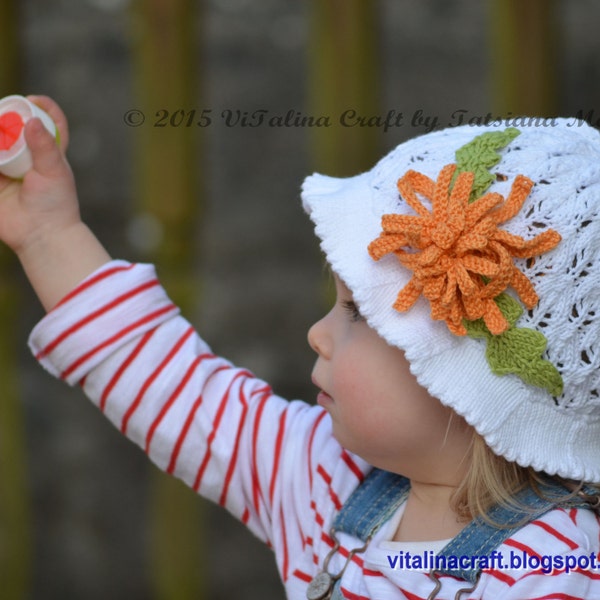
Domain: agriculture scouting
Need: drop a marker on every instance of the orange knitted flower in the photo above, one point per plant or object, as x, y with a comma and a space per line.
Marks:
459, 258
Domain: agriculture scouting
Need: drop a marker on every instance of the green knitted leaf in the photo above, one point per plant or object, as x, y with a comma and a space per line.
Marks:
517, 350
479, 156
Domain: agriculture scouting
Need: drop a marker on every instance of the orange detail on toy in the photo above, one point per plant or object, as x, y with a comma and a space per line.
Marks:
459, 258
11, 125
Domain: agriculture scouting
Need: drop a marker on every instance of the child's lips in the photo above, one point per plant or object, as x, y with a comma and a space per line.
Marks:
323, 398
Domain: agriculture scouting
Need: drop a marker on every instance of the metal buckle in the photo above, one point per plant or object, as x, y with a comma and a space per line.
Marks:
433, 575
321, 585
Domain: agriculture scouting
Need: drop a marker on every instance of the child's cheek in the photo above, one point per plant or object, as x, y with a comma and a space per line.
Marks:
353, 381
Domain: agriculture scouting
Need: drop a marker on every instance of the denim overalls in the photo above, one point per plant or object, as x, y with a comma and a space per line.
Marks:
381, 493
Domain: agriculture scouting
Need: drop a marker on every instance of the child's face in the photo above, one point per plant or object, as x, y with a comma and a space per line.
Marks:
377, 408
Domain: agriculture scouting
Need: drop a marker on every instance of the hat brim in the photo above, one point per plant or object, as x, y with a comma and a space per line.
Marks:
347, 215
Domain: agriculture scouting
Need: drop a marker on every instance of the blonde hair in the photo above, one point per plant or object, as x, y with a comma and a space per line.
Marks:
491, 480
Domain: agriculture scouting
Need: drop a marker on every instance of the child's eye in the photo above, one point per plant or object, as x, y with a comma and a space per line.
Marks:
352, 310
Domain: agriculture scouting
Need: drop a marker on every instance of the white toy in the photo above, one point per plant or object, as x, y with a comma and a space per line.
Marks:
15, 111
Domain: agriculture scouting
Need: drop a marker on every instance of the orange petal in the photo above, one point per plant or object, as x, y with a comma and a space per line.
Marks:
485, 227
456, 329
522, 248
443, 236
427, 257
455, 319
475, 307
439, 312
461, 190
425, 272
469, 242
421, 183
407, 190
385, 244
518, 192
440, 195
481, 206
494, 319
524, 288
407, 296
513, 243
433, 288
459, 200
465, 281
395, 223
450, 293
480, 265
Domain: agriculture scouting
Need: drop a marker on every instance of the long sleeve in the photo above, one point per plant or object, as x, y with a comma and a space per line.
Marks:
274, 464
198, 417
215, 426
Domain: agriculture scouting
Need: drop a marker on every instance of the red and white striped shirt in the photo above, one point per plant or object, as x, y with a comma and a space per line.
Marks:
272, 463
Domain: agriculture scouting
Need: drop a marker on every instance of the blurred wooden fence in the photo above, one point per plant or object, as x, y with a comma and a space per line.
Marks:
344, 75
524, 46
168, 193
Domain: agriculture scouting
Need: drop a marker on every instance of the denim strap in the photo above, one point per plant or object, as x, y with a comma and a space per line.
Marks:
479, 538
372, 503
380, 494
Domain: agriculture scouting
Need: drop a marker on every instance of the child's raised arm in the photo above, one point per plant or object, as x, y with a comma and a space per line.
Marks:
39, 215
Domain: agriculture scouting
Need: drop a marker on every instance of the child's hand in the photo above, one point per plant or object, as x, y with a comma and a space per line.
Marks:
45, 201
39, 216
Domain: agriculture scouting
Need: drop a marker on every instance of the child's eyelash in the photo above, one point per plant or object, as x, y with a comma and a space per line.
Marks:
352, 310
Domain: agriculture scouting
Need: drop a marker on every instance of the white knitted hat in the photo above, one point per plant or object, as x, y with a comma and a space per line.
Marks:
543, 410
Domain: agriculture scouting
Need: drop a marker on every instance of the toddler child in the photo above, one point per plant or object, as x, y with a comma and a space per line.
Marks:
457, 428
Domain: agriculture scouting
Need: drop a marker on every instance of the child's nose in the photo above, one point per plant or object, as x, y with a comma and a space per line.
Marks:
318, 339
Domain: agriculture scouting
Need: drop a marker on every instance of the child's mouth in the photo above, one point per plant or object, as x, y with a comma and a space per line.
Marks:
324, 399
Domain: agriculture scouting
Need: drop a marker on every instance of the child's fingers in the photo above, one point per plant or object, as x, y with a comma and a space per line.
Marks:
46, 156
56, 114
